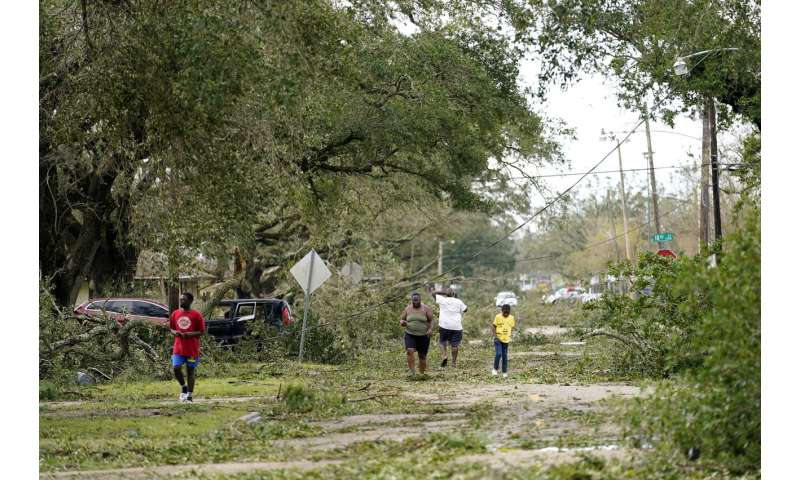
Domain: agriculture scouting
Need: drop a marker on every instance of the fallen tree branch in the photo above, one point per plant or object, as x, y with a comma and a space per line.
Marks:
420, 271
148, 349
74, 392
373, 397
83, 337
100, 373
619, 338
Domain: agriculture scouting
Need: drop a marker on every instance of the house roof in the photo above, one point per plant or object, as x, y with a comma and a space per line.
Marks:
153, 266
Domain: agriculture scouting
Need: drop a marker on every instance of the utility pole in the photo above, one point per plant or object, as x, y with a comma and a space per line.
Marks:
653, 189
613, 226
712, 125
613, 137
624, 202
439, 263
705, 162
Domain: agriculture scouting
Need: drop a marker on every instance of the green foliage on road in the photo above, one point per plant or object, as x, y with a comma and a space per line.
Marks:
701, 326
716, 405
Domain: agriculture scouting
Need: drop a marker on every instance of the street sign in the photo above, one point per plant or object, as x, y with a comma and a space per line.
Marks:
666, 253
662, 237
352, 271
310, 272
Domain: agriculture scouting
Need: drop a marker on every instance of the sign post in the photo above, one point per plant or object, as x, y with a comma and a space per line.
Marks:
310, 273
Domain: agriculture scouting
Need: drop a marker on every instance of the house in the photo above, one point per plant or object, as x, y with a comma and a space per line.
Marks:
152, 267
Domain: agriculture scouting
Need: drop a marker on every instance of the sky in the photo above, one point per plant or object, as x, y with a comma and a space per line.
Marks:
589, 107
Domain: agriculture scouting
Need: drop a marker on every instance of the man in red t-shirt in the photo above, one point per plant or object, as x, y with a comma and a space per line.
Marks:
186, 325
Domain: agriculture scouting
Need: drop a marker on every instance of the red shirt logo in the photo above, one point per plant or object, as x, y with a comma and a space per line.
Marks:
184, 323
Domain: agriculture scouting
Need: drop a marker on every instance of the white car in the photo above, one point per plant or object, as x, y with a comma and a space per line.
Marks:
505, 298
570, 295
590, 297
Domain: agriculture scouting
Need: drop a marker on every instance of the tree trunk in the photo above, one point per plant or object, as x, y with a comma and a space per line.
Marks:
78, 264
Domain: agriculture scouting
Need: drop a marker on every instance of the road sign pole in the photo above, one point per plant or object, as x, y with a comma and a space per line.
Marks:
305, 308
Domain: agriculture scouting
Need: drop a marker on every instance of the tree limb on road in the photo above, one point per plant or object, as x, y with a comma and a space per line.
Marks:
626, 341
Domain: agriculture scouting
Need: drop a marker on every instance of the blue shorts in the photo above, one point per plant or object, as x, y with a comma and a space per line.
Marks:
450, 336
191, 362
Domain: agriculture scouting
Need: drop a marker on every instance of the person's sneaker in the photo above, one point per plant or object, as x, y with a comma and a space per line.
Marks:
494, 372
444, 363
189, 397
183, 396
505, 375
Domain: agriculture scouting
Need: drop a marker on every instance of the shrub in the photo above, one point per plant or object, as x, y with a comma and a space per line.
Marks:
715, 404
323, 343
651, 326
298, 398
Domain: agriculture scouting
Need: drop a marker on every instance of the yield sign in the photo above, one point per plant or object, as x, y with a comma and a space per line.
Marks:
310, 272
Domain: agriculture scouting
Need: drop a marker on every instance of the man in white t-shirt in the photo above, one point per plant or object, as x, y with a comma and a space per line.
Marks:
450, 310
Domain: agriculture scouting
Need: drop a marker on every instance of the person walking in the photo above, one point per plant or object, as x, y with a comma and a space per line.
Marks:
451, 310
417, 318
501, 330
186, 325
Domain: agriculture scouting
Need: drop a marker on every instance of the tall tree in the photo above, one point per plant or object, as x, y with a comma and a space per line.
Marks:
638, 42
198, 126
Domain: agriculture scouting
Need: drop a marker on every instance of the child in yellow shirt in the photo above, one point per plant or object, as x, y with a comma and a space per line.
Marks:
501, 330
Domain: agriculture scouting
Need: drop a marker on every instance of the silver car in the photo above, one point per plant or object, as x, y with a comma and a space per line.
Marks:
505, 298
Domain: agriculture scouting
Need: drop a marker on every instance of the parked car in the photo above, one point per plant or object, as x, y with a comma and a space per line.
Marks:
590, 297
123, 309
505, 298
565, 294
233, 319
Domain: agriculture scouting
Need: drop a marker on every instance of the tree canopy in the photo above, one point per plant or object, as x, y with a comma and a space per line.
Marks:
198, 126
638, 42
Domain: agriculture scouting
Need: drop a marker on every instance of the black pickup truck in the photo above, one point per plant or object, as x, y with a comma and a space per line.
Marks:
233, 319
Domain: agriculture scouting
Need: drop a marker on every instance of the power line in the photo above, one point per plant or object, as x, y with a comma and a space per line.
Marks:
549, 204
588, 247
568, 174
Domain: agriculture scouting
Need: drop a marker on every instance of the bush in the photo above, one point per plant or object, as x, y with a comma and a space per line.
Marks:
299, 398
322, 343
652, 327
715, 405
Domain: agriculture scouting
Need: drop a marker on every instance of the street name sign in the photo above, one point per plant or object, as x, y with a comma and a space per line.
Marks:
662, 237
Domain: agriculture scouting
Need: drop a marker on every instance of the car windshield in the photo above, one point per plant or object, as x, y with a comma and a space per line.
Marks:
221, 311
